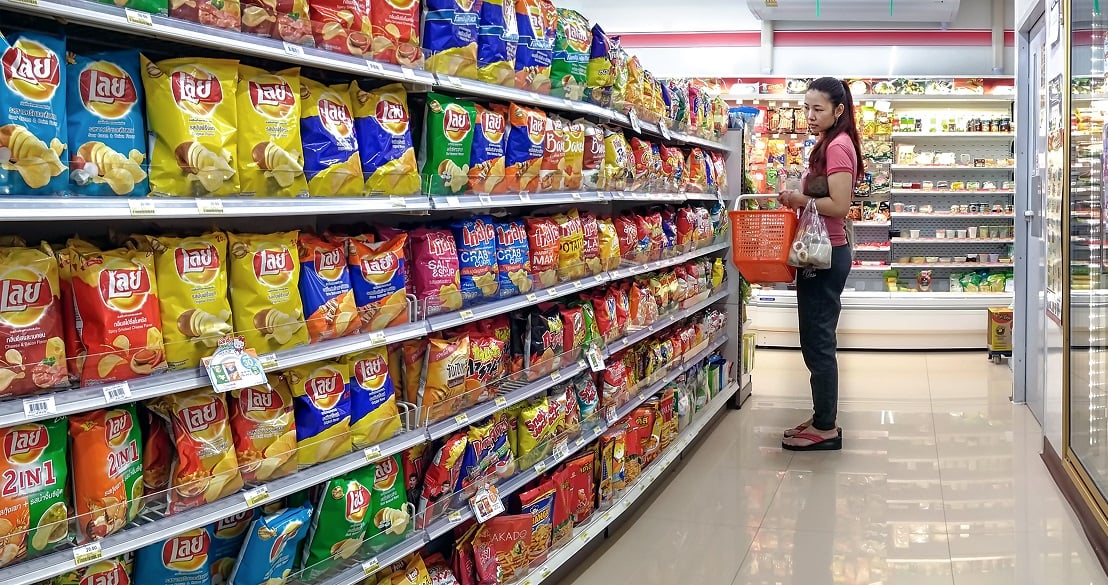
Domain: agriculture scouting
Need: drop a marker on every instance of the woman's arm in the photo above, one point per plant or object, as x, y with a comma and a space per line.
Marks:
841, 187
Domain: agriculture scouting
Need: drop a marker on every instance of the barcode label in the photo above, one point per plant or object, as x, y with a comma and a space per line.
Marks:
140, 206
485, 200
577, 284
500, 401
294, 50
561, 449
373, 453
117, 392
453, 201
138, 17
576, 196
39, 406
580, 442
455, 516
83, 555
370, 566
399, 201
408, 73
377, 337
268, 361
462, 418
375, 67
211, 206
453, 82
466, 314
256, 496
532, 297
555, 376
540, 466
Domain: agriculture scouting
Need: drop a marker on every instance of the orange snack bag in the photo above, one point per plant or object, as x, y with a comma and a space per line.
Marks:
264, 430
32, 350
107, 470
325, 289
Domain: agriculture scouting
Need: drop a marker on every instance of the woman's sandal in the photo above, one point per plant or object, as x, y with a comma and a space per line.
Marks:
798, 429
818, 443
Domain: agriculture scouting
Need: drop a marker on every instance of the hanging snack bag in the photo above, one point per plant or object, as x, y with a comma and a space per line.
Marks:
192, 113
546, 342
436, 270
573, 163
377, 271
331, 158
573, 334
601, 72
36, 517
544, 237
619, 163
590, 251
264, 429
373, 413
322, 402
441, 477
271, 163
476, 241
33, 115
396, 32
450, 30
572, 47
487, 367
117, 300
265, 304
271, 547
539, 503
497, 37
228, 535
552, 167
287, 21
583, 491
513, 258
184, 559
443, 384
390, 514
32, 348
107, 125
107, 471
447, 144
501, 546
562, 513
325, 289
342, 26
592, 159
383, 127
571, 244
338, 527
526, 147
486, 161
536, 21
192, 284
488, 457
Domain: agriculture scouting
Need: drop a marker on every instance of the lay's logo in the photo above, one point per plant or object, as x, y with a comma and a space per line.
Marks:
536, 128
382, 264
233, 526
32, 70
20, 295
200, 418
492, 125
116, 574
357, 502
117, 426
188, 89
336, 118
196, 260
272, 262
25, 440
260, 400
274, 99
325, 390
392, 116
109, 93
186, 551
329, 260
456, 122
367, 371
385, 474
124, 284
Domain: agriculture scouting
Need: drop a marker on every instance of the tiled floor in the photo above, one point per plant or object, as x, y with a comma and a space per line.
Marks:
940, 482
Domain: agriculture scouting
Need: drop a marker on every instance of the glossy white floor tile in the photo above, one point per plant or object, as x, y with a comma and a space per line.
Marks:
939, 482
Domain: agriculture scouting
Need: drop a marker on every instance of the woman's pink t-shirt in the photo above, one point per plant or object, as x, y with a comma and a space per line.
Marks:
841, 158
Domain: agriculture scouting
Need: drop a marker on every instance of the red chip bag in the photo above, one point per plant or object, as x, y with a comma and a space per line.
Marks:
500, 548
623, 308
342, 26
573, 334
562, 516
436, 272
645, 251
686, 229
487, 367
582, 487
544, 237
628, 234
442, 475
653, 224
590, 254
644, 157
604, 305
396, 31
32, 347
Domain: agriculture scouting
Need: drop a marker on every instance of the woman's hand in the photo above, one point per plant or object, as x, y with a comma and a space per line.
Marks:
792, 199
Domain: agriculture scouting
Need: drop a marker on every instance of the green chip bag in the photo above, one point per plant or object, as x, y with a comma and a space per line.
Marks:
391, 514
447, 144
338, 525
33, 499
572, 47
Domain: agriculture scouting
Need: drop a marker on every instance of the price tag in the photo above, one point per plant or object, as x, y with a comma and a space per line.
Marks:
209, 206
569, 103
611, 415
268, 361
535, 96
555, 376
633, 117
580, 442
462, 418
453, 82
466, 314
117, 392
552, 292
294, 50
398, 201
141, 207
374, 67
607, 517
233, 366
485, 200
453, 201
540, 467
595, 358
408, 73
370, 566
83, 555
455, 516
373, 453
256, 496
597, 431
584, 536
577, 284
138, 17
524, 196
500, 402
663, 128
39, 406
544, 573
377, 337
532, 297
561, 449
576, 196
27, 2
486, 503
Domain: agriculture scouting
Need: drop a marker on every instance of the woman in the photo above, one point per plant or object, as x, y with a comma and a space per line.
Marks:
833, 168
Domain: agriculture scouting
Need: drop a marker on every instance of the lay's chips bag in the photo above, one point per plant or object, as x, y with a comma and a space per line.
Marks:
32, 318
526, 140
601, 72
35, 513
383, 127
450, 36
326, 290
536, 21
574, 160
390, 512
192, 285
341, 26
271, 163
228, 535
322, 402
331, 158
377, 271
192, 112
497, 38
513, 258
265, 271
271, 546
33, 115
184, 559
338, 525
447, 144
486, 170
373, 413
107, 125
476, 239
619, 162
396, 31
264, 429
572, 48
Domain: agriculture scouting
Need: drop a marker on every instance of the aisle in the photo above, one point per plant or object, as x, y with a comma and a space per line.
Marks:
940, 483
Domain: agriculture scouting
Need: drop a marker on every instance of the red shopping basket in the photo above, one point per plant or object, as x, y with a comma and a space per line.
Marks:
760, 242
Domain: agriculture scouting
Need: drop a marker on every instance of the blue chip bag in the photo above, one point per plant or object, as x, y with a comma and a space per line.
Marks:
536, 23
271, 546
184, 559
227, 537
488, 455
497, 38
486, 160
513, 258
383, 126
331, 160
476, 238
450, 36
32, 115
107, 125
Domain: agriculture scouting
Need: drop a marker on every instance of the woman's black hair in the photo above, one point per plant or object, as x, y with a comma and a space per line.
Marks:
838, 92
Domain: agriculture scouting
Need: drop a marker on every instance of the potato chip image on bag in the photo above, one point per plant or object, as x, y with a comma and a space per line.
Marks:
228, 536
206, 468
32, 347
383, 126
265, 299
569, 70
114, 570
552, 168
32, 147
436, 273
443, 384
396, 31
513, 258
447, 144
331, 160
34, 515
270, 162
390, 513
192, 284
476, 242
107, 125
574, 159
486, 162
225, 14
526, 147
619, 163
264, 430
571, 244
271, 547
373, 413
341, 26
107, 471
338, 526
536, 21
286, 21
184, 559
497, 37
377, 272
326, 289
450, 36
192, 113
544, 237
322, 402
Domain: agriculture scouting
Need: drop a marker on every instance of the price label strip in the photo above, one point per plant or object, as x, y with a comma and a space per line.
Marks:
91, 552
372, 454
117, 392
294, 50
256, 496
138, 17
39, 406
370, 566
561, 449
209, 206
141, 207
268, 361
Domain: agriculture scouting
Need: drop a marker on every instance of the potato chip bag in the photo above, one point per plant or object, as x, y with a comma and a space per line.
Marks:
526, 147
338, 525
68, 260
271, 163
113, 570
551, 169
719, 166
220, 14
476, 241
107, 470
414, 353
546, 347
497, 38
32, 347
613, 449
573, 163
488, 456
157, 454
192, 113
539, 503
513, 258
536, 21
264, 429
487, 367
373, 413
450, 29
383, 127
322, 401
573, 334
544, 237
415, 572
435, 270
447, 144
206, 467
630, 247
592, 159
377, 272
287, 21
33, 115
571, 241
601, 72
604, 307
184, 559
500, 548
325, 289
271, 546
390, 513
331, 158
673, 167
117, 300
441, 478
192, 284
696, 179
396, 31
443, 384
535, 431
572, 47
228, 535
107, 125
486, 161
342, 26
643, 156
619, 163
265, 271
34, 511
590, 250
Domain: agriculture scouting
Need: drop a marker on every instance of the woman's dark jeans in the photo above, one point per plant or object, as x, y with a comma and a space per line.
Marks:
818, 302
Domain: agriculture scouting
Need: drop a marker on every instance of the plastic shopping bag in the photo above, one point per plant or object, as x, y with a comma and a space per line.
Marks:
812, 245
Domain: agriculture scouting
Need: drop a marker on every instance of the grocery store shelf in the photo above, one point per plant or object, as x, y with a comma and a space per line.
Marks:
950, 168
948, 191
702, 197
635, 270
858, 99
452, 202
867, 248
907, 215
953, 240
871, 224
869, 268
997, 135
91, 208
663, 322
952, 265
478, 312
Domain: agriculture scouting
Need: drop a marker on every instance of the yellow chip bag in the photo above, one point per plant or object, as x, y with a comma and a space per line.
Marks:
271, 163
322, 403
192, 113
373, 413
385, 140
444, 376
572, 242
264, 428
265, 300
331, 159
192, 286
609, 244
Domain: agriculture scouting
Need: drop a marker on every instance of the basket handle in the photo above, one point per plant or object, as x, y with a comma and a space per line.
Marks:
740, 198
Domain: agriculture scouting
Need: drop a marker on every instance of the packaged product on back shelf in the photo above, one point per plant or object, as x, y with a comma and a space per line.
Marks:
537, 23
513, 258
573, 162
374, 416
228, 536
287, 21
592, 160
619, 162
486, 161
378, 273
447, 144
111, 570
552, 167
265, 298
526, 145
450, 33
331, 159
264, 429
572, 49
497, 39
271, 546
220, 14
326, 290
476, 242
342, 26
396, 32
340, 518
184, 559
436, 271
38, 518
107, 471
269, 111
